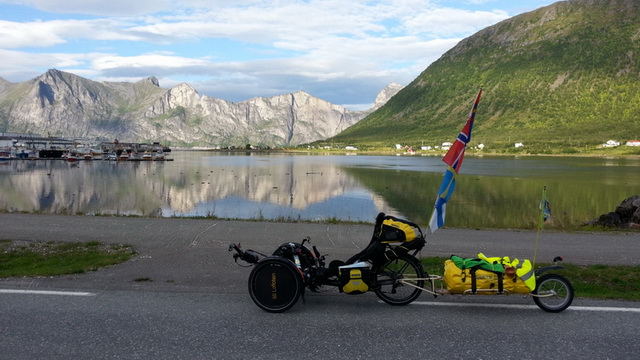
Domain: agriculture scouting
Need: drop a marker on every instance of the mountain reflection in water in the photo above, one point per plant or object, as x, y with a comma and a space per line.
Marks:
499, 192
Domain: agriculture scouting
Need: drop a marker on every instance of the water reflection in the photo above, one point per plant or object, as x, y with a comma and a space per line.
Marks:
195, 184
491, 191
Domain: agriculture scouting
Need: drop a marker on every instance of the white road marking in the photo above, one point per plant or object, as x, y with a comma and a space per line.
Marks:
46, 292
528, 307
604, 308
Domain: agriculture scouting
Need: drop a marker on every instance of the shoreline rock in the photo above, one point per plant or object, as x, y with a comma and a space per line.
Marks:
625, 216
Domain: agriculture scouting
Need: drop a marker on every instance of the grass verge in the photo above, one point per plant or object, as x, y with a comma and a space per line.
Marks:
35, 258
592, 281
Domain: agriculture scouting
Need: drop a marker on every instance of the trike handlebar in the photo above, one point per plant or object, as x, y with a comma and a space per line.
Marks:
249, 256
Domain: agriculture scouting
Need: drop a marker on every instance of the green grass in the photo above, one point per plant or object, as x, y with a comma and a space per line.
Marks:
592, 281
27, 258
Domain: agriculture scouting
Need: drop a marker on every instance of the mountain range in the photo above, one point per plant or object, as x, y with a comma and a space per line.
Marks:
59, 103
557, 79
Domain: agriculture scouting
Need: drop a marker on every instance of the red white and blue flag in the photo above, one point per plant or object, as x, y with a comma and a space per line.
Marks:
453, 159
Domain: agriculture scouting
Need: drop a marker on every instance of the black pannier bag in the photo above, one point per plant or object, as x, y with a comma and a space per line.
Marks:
392, 237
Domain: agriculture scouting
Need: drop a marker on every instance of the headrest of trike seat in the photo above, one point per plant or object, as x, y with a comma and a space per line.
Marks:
390, 229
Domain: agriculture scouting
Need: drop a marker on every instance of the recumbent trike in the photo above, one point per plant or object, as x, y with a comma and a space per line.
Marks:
387, 266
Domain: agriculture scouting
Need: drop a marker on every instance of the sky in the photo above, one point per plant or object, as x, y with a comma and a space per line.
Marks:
342, 51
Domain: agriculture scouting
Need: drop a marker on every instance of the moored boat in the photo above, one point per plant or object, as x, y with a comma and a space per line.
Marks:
159, 155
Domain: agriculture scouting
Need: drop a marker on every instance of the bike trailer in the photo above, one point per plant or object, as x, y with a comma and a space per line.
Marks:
478, 276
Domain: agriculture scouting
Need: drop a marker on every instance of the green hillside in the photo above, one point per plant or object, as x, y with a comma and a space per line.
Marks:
561, 78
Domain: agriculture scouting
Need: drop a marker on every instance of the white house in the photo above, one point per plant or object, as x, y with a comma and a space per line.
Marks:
519, 145
633, 143
446, 145
611, 143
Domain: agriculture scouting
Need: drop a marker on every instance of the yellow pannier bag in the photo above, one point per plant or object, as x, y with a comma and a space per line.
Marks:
457, 281
354, 278
516, 285
525, 273
524, 280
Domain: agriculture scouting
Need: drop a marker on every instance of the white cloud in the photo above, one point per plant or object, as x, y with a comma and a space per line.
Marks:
479, 2
97, 7
56, 32
446, 22
17, 35
161, 65
20, 66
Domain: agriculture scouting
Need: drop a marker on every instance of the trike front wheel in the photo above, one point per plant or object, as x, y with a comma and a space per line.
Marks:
275, 284
398, 281
553, 293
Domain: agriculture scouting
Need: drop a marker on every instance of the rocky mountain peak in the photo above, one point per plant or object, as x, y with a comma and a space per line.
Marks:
184, 87
53, 73
151, 80
385, 94
55, 76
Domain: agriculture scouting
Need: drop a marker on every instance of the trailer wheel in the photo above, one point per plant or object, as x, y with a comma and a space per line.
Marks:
553, 293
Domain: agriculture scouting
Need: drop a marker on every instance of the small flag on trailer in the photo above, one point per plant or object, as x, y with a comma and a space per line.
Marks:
545, 208
453, 159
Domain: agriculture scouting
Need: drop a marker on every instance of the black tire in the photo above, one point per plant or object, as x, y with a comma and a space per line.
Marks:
275, 284
553, 293
388, 285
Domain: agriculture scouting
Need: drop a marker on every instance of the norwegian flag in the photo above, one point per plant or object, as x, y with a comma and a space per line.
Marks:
455, 154
453, 159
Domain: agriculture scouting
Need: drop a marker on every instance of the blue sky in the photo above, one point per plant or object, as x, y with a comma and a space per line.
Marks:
342, 51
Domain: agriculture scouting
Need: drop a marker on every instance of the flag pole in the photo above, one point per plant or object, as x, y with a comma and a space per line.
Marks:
543, 206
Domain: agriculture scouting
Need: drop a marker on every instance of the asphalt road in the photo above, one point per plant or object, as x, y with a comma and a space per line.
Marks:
166, 325
194, 302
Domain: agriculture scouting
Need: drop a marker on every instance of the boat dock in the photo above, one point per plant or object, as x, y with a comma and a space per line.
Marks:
36, 147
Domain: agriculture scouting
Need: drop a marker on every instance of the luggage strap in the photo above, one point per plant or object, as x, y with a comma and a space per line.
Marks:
474, 286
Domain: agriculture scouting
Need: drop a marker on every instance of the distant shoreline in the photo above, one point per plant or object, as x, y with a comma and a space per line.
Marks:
398, 153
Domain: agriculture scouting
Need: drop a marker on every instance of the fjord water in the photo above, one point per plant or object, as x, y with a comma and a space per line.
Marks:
491, 192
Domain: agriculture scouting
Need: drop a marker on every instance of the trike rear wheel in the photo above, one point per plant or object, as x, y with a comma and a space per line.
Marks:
398, 281
553, 293
275, 284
